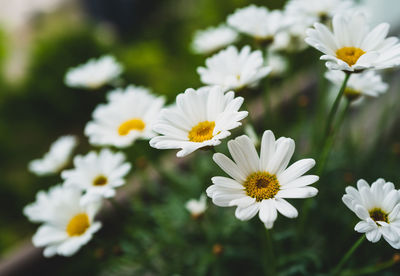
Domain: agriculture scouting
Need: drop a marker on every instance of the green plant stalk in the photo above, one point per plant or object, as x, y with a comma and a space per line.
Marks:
335, 106
270, 266
370, 269
347, 256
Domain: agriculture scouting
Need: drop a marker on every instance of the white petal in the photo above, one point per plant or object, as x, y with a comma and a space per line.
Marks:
285, 208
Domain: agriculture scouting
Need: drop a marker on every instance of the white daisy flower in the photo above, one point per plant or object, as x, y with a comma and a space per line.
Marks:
68, 225
352, 47
56, 158
291, 39
378, 207
128, 116
94, 74
97, 174
367, 83
213, 38
312, 11
233, 69
257, 22
200, 118
261, 184
277, 63
197, 207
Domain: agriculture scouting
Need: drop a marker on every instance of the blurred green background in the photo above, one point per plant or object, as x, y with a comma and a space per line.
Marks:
152, 40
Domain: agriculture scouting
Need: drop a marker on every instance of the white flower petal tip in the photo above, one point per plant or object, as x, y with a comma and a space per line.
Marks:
67, 224
352, 46
94, 74
129, 115
245, 69
213, 39
201, 118
197, 207
56, 159
378, 208
98, 175
260, 182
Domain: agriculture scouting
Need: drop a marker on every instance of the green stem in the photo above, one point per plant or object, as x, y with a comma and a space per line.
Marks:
269, 260
328, 142
335, 106
347, 256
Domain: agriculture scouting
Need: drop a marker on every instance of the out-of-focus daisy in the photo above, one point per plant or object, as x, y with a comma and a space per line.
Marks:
200, 118
57, 157
261, 184
41, 210
97, 174
291, 39
312, 11
352, 46
367, 83
94, 74
68, 225
212, 39
257, 22
378, 207
129, 115
233, 69
277, 63
197, 207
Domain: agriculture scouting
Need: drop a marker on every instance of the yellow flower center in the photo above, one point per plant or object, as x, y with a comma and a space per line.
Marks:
261, 185
100, 180
132, 124
350, 55
78, 225
352, 94
203, 131
378, 215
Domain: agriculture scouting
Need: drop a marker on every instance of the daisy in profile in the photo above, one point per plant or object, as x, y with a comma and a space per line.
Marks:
367, 83
97, 174
352, 46
312, 11
378, 208
128, 116
197, 207
68, 225
260, 184
257, 22
56, 158
212, 39
233, 69
201, 118
94, 74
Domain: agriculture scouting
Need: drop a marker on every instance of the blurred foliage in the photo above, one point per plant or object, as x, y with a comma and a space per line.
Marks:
153, 234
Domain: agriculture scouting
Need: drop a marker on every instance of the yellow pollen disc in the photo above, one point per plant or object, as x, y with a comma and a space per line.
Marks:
78, 225
100, 180
350, 55
202, 132
352, 94
378, 215
132, 124
261, 185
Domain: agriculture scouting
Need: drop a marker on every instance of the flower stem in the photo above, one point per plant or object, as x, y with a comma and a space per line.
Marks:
270, 266
335, 106
347, 256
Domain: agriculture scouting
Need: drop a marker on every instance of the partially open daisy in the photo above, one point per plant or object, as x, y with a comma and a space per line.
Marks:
261, 184
201, 118
378, 207
68, 225
367, 83
352, 46
128, 116
94, 74
317, 10
213, 38
197, 207
56, 159
233, 69
97, 174
257, 22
